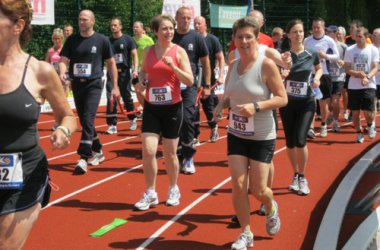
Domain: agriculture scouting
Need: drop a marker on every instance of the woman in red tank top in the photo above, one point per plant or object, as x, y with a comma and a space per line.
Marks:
164, 66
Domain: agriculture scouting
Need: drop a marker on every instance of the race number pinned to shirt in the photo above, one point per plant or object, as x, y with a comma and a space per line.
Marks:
11, 174
82, 70
296, 89
242, 125
361, 67
118, 58
160, 96
334, 71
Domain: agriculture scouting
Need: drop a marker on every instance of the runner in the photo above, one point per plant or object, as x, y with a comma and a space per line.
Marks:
328, 53
251, 132
25, 84
338, 76
216, 57
164, 66
86, 52
196, 49
142, 40
67, 31
277, 36
125, 51
361, 62
298, 114
376, 43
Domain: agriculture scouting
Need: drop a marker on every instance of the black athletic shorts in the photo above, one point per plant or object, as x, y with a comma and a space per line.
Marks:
165, 120
361, 99
326, 86
262, 151
337, 88
36, 187
378, 92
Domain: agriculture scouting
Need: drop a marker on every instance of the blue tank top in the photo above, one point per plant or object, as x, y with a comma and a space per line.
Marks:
19, 112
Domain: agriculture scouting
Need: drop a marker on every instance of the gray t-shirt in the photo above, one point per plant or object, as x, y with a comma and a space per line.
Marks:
337, 73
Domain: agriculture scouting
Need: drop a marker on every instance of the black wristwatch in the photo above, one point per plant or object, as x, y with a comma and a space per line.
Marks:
207, 86
257, 107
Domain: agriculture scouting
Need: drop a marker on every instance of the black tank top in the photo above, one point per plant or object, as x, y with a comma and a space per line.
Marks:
19, 112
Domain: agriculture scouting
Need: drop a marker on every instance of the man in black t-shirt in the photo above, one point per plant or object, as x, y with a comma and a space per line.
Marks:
86, 53
215, 55
124, 48
196, 49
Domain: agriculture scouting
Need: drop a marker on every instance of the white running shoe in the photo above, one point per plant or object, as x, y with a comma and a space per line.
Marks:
133, 125
346, 116
311, 133
372, 132
273, 222
188, 166
147, 201
196, 142
335, 127
303, 186
324, 131
294, 186
112, 129
244, 241
214, 134
96, 159
359, 138
81, 167
173, 196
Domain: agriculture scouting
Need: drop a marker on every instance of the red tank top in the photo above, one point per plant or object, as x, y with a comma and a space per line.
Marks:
163, 87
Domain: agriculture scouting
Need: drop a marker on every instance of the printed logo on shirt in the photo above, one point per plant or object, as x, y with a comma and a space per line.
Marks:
121, 46
6, 161
93, 50
190, 47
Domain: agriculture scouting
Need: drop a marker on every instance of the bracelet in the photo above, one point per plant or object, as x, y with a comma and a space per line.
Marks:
65, 130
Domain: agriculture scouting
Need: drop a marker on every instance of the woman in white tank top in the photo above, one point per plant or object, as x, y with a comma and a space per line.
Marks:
251, 81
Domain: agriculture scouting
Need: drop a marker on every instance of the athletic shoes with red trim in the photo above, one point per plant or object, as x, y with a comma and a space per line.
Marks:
244, 241
147, 201
273, 222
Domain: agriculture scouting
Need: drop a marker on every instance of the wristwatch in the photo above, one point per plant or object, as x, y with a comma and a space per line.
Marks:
257, 107
207, 86
65, 130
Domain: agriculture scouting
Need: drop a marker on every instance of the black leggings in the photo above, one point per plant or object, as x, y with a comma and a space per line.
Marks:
296, 118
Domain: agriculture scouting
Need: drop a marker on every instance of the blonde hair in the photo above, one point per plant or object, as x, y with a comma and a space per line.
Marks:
58, 32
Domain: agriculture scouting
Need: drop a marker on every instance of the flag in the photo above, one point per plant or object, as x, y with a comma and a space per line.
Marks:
250, 7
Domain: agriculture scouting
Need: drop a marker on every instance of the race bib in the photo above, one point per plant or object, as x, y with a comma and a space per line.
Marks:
118, 58
334, 72
361, 67
241, 124
82, 70
160, 96
11, 175
296, 89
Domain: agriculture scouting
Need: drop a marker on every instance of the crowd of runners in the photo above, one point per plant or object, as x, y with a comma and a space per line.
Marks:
305, 78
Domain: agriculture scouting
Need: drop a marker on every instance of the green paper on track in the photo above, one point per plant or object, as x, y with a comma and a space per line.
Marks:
106, 228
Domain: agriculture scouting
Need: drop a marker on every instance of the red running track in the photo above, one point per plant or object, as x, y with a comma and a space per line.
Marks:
82, 204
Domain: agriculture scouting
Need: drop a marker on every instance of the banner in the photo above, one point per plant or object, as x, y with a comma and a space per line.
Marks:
170, 7
43, 12
224, 16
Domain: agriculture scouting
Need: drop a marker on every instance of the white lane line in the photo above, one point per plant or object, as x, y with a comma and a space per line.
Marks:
185, 210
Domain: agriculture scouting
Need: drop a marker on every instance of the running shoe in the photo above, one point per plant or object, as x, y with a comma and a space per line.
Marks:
81, 167
345, 116
262, 210
359, 138
214, 134
324, 131
303, 186
372, 131
295, 185
173, 196
311, 133
112, 130
147, 201
97, 158
273, 222
196, 142
330, 119
188, 166
335, 127
133, 125
244, 241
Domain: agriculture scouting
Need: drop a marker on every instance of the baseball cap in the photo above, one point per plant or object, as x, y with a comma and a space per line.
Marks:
332, 28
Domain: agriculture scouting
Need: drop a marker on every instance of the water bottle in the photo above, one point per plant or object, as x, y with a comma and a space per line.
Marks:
317, 93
